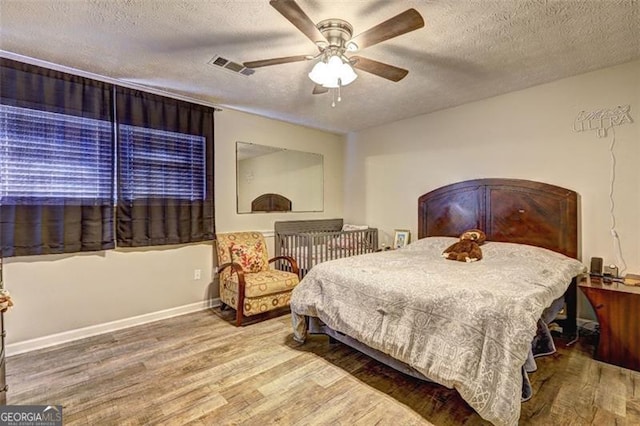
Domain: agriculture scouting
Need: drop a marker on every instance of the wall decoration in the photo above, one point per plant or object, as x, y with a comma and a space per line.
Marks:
602, 119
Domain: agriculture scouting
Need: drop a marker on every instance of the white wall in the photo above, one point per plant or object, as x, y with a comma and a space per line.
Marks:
526, 134
59, 293
62, 293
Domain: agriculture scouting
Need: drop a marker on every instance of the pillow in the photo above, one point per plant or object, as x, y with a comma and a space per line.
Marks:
251, 258
349, 227
431, 244
518, 258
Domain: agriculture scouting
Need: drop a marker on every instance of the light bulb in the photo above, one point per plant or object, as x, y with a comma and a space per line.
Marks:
334, 65
319, 73
347, 74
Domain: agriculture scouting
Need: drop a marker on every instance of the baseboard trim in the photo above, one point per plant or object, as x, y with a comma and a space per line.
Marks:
93, 330
81, 333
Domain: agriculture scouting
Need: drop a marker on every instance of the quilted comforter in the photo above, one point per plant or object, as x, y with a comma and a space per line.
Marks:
467, 326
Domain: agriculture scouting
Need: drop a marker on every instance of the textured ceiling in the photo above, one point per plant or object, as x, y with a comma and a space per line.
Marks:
468, 50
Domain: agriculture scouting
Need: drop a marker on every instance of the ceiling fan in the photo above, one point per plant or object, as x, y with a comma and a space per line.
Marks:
333, 38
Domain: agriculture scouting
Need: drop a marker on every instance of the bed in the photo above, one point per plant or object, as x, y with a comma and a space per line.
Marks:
311, 242
476, 327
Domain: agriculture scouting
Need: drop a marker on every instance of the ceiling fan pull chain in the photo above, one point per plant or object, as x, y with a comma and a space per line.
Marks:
339, 95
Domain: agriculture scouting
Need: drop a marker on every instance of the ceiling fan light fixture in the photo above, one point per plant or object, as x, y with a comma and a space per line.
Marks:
333, 73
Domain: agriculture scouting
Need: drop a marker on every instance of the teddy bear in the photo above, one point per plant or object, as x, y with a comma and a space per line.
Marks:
468, 248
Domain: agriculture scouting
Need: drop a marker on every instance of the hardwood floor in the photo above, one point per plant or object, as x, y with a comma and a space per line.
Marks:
198, 369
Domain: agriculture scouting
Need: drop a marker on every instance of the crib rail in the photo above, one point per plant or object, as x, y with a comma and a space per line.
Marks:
311, 248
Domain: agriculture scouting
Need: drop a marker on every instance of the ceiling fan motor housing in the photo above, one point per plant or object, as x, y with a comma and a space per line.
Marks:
337, 32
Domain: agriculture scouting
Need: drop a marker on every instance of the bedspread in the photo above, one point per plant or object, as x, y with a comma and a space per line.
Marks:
467, 326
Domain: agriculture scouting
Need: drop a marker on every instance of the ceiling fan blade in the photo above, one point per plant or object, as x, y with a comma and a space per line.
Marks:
276, 61
318, 89
378, 68
290, 10
405, 22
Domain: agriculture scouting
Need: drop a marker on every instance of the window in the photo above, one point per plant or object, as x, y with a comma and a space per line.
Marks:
161, 164
45, 157
58, 167
165, 163
56, 162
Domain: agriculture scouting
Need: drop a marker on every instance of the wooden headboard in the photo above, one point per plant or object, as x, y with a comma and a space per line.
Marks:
507, 210
271, 203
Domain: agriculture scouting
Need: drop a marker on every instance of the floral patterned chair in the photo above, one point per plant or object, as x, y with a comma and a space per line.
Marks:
247, 283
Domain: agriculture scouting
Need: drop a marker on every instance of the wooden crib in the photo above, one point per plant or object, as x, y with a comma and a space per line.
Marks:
314, 241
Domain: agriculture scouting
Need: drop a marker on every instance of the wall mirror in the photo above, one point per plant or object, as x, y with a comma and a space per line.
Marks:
272, 179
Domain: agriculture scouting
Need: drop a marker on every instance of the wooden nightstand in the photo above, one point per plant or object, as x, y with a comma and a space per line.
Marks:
616, 306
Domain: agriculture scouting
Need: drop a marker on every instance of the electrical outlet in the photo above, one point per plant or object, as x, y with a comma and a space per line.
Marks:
197, 274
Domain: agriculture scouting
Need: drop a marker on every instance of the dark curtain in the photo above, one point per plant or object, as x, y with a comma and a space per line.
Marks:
59, 224
152, 219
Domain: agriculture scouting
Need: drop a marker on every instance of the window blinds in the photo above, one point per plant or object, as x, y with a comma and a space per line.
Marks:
161, 164
45, 157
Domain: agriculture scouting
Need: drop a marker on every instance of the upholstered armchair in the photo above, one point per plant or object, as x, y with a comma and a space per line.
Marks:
247, 282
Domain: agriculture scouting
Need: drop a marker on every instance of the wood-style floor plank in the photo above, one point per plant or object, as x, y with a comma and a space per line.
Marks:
198, 369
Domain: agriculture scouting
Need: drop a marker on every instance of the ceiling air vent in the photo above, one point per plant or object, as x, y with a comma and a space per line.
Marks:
234, 67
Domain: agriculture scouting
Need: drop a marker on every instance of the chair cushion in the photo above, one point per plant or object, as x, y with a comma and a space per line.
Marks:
257, 305
264, 283
250, 255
